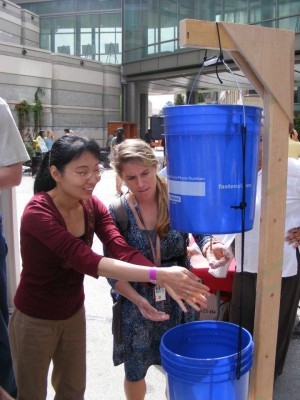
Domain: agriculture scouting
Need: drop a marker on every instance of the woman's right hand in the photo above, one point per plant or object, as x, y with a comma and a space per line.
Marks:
181, 284
150, 312
147, 311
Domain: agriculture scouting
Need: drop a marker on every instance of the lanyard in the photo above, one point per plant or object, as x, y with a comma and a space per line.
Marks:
155, 251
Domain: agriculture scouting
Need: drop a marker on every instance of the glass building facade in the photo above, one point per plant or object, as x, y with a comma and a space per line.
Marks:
151, 27
93, 28
87, 28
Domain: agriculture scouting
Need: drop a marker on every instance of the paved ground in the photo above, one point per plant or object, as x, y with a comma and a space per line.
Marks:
104, 381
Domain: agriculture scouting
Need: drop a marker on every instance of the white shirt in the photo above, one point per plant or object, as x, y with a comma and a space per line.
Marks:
163, 172
292, 220
12, 148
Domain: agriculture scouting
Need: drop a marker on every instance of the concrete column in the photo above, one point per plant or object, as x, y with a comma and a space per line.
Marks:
144, 114
132, 104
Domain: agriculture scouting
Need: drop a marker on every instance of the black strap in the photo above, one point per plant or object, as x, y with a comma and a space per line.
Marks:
122, 221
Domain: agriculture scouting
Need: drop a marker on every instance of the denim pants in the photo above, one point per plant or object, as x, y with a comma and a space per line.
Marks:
7, 379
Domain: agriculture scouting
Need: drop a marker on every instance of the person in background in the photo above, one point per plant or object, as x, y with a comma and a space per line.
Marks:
109, 140
293, 133
119, 138
49, 139
57, 230
290, 283
68, 131
38, 141
294, 144
164, 172
149, 231
149, 138
12, 155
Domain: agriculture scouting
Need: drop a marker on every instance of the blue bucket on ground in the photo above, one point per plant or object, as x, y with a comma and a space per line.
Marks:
200, 359
205, 166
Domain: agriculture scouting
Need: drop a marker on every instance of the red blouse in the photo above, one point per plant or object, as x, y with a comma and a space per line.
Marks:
54, 261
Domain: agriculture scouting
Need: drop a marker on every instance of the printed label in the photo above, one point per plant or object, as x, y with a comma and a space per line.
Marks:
176, 199
187, 188
233, 186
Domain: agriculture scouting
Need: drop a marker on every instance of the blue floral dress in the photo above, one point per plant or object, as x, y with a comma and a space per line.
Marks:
140, 337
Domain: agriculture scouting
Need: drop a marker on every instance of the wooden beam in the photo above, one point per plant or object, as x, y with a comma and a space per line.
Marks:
203, 34
266, 56
274, 172
269, 52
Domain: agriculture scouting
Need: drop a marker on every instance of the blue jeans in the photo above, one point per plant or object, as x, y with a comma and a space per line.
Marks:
7, 379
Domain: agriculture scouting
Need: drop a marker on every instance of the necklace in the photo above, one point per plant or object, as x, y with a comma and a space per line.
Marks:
155, 243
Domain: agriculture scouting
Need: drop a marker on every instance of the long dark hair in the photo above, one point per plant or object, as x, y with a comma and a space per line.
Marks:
64, 150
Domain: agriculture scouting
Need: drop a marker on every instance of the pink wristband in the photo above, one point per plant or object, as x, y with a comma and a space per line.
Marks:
152, 275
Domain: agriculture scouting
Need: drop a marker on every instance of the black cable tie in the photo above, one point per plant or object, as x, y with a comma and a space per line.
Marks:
221, 56
241, 206
220, 80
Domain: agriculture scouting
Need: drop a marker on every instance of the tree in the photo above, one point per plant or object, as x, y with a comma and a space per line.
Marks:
201, 98
297, 123
179, 100
37, 109
23, 112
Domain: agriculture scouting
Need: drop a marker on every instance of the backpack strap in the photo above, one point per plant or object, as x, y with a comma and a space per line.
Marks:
122, 221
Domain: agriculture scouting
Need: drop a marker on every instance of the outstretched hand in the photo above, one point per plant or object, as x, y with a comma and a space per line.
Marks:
150, 312
293, 237
217, 255
182, 284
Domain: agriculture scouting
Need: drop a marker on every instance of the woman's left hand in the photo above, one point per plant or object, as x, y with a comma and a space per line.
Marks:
217, 255
181, 284
293, 237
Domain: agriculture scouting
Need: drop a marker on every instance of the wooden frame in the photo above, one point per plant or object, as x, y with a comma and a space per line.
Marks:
266, 56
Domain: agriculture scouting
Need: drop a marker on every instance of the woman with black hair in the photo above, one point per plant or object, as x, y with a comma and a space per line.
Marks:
57, 229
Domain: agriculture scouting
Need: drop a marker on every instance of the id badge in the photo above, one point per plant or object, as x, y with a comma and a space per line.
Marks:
159, 293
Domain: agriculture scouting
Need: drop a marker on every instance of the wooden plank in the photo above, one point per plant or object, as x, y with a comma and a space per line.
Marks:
270, 54
274, 171
245, 67
268, 51
203, 34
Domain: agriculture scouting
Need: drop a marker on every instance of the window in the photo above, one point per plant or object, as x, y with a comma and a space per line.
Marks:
65, 34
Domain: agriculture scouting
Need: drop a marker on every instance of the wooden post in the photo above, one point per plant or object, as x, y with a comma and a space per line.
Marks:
266, 56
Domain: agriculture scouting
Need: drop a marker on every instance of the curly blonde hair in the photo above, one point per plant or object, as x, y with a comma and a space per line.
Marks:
140, 151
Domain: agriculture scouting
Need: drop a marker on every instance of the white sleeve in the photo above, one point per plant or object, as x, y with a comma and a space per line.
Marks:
12, 148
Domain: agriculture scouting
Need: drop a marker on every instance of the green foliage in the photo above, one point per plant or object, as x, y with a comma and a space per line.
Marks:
39, 91
23, 112
37, 109
297, 123
30, 150
179, 100
201, 98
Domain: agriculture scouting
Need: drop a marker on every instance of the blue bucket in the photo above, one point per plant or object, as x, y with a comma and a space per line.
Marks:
200, 359
205, 166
